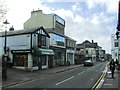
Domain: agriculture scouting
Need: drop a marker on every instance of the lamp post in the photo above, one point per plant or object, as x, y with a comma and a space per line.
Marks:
6, 22
5, 56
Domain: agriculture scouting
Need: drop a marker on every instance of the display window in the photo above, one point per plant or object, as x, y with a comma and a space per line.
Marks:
20, 59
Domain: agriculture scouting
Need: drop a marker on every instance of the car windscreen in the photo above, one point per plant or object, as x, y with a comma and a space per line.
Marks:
88, 61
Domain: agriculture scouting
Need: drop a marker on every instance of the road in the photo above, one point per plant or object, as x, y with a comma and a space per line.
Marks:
81, 77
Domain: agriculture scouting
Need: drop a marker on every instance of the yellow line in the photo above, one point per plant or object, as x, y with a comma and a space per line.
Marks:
96, 84
94, 87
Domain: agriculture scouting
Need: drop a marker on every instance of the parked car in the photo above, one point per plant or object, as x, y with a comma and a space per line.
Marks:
88, 62
103, 60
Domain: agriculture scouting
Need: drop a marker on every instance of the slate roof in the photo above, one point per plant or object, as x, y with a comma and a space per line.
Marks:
23, 31
87, 44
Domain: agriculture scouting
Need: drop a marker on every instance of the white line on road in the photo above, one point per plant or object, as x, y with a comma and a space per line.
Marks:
88, 68
65, 80
80, 72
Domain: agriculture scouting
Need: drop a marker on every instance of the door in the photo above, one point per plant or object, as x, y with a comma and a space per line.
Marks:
39, 63
50, 61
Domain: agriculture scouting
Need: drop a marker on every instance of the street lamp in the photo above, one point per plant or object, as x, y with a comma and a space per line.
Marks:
6, 22
5, 56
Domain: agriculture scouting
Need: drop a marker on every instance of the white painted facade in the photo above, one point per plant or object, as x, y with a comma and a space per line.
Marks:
70, 55
91, 53
114, 49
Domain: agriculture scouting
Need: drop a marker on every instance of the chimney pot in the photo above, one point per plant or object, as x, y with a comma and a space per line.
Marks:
92, 41
11, 28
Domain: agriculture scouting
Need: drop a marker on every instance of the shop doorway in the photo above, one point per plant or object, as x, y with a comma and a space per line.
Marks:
50, 61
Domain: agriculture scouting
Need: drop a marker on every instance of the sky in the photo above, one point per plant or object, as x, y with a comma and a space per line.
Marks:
84, 19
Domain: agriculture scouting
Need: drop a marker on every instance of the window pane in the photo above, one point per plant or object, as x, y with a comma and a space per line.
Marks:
116, 44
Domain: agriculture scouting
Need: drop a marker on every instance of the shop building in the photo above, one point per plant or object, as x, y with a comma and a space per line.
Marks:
28, 49
86, 50
70, 50
54, 25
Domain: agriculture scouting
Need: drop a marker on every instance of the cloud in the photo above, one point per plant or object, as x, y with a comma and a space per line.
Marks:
19, 11
78, 19
76, 7
111, 5
90, 4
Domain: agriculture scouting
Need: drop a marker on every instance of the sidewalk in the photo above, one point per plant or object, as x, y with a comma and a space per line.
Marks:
16, 76
112, 83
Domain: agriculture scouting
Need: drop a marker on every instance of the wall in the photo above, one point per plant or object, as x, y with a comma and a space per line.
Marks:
38, 19
114, 50
17, 42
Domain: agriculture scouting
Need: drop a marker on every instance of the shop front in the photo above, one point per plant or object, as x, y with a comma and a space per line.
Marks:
35, 59
21, 59
59, 56
42, 58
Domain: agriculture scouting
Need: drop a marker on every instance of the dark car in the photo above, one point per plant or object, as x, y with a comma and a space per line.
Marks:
88, 62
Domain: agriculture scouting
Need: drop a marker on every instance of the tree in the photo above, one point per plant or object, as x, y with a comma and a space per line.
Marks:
3, 11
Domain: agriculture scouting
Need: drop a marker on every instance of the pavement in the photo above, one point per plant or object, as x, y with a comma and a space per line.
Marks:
111, 83
16, 76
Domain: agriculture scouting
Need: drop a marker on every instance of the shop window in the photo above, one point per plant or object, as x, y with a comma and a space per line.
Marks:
43, 58
20, 60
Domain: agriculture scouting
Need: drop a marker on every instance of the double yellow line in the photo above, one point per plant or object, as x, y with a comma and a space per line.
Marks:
95, 87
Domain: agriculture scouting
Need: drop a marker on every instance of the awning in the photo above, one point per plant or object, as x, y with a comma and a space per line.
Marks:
41, 51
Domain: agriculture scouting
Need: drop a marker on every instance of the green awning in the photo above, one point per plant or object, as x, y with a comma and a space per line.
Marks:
41, 51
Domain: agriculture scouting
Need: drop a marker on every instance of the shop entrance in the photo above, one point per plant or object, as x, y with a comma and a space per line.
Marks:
50, 61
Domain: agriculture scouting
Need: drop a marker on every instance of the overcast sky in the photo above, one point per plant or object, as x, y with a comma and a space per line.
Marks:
85, 19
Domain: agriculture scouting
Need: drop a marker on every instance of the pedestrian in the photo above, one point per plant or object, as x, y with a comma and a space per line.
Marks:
112, 67
116, 61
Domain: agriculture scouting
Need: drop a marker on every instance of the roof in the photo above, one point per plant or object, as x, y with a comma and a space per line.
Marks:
87, 44
70, 38
23, 31
80, 46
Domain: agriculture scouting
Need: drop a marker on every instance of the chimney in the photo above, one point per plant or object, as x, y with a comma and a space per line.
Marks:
92, 41
11, 28
35, 12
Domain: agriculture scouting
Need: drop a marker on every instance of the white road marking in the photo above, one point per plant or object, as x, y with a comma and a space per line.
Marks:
80, 72
109, 72
88, 68
108, 84
91, 79
65, 80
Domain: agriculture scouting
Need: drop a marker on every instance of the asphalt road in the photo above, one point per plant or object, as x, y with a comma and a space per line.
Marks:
81, 77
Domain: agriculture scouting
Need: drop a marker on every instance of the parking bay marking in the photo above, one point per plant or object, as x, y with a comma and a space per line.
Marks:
80, 72
65, 80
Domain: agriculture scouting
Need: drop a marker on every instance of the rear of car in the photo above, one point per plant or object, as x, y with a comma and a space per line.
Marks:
88, 63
